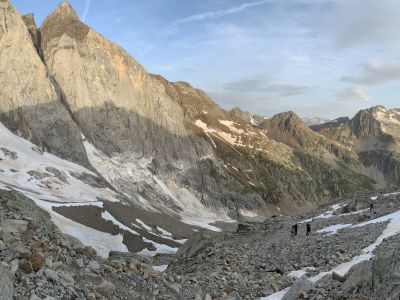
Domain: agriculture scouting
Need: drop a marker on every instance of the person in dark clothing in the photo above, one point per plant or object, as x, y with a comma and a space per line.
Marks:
308, 228
371, 206
292, 231
295, 228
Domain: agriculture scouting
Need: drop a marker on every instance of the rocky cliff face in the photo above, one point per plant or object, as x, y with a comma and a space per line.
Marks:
373, 135
116, 103
30, 102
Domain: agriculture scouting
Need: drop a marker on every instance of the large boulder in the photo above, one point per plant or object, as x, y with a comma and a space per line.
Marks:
195, 244
6, 283
358, 276
302, 285
386, 273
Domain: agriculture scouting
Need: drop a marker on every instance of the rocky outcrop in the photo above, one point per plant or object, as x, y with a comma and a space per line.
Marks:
364, 124
373, 135
30, 104
34, 32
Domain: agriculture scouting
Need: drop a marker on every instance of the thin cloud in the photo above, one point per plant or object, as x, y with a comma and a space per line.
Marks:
263, 86
353, 93
86, 10
219, 13
376, 72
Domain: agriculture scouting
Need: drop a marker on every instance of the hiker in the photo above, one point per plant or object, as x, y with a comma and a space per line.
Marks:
295, 228
308, 228
371, 206
292, 231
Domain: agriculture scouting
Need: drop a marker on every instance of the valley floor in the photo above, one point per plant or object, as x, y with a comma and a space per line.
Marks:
352, 253
349, 255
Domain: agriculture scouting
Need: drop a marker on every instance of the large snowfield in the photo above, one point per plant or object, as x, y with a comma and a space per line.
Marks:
52, 182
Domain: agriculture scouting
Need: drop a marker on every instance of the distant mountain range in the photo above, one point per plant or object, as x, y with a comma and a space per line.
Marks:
314, 121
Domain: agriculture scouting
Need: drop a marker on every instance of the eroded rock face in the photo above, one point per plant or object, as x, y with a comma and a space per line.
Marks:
30, 103
117, 104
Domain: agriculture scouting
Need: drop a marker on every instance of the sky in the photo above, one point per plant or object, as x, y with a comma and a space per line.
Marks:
315, 57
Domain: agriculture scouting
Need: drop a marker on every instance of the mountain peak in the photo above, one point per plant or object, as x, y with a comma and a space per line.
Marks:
288, 117
66, 10
63, 20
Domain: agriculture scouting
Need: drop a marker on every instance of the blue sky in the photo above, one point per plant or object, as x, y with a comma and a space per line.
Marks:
315, 57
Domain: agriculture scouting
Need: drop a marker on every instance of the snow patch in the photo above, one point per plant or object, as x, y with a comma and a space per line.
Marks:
300, 273
160, 269
100, 241
248, 213
231, 126
333, 229
392, 229
254, 122
148, 228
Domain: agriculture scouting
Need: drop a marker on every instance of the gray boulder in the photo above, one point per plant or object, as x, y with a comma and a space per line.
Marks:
17, 250
358, 276
6, 283
195, 244
302, 285
232, 296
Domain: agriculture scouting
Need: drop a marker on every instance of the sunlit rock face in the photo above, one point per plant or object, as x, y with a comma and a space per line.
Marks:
30, 101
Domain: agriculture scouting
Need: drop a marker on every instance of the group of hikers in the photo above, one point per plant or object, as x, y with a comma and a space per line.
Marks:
293, 231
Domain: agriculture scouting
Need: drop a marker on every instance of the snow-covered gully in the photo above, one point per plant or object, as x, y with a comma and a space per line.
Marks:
392, 229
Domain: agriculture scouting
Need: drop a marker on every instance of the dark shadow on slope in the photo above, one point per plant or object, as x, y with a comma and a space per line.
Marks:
50, 127
116, 131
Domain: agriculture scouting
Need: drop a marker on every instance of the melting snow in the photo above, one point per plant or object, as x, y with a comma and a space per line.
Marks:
254, 122
300, 273
164, 232
227, 137
276, 296
102, 242
248, 213
333, 229
385, 195
392, 229
148, 228
325, 215
160, 268
231, 126
121, 173
49, 188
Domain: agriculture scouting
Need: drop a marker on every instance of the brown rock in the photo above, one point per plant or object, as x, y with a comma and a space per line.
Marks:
26, 266
37, 260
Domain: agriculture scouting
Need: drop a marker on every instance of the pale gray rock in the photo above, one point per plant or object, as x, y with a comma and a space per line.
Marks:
6, 283
13, 226
106, 288
232, 296
51, 275
30, 101
300, 286
17, 250
94, 265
